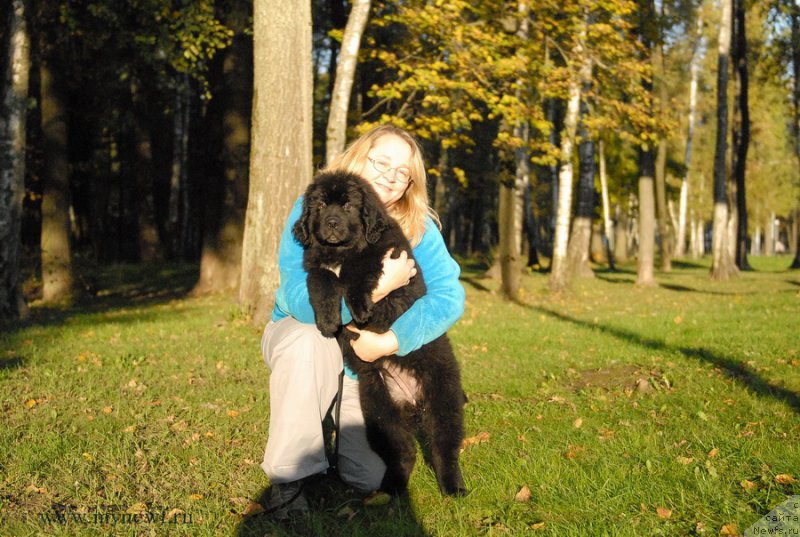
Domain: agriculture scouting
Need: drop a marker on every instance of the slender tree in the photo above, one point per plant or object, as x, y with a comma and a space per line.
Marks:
694, 70
741, 130
647, 209
581, 234
345, 74
280, 158
12, 157
795, 36
722, 267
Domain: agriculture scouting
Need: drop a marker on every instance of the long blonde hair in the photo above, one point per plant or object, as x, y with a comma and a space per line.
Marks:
411, 210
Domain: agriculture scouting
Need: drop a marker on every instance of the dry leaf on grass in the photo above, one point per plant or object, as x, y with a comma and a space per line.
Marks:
252, 509
346, 512
785, 479
748, 485
523, 495
578, 423
477, 439
377, 498
663, 512
574, 451
713, 453
537, 526
731, 530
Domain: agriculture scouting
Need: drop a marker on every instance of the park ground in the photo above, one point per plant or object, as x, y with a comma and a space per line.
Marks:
609, 410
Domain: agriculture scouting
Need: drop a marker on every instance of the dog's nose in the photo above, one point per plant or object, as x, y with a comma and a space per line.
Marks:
333, 222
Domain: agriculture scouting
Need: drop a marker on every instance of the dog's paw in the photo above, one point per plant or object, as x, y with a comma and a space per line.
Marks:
457, 491
361, 310
327, 328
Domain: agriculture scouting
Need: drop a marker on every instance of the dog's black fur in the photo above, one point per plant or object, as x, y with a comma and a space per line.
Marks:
344, 226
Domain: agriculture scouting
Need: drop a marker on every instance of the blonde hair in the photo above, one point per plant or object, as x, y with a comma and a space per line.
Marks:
412, 209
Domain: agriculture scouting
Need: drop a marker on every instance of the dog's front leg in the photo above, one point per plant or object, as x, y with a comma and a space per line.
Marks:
325, 293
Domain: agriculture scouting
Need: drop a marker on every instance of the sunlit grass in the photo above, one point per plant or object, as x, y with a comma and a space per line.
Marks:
625, 411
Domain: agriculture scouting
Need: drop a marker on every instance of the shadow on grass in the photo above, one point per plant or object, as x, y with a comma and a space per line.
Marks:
11, 362
732, 368
336, 509
116, 288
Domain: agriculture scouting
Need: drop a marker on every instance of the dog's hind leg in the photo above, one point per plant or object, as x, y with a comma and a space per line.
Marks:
388, 433
443, 428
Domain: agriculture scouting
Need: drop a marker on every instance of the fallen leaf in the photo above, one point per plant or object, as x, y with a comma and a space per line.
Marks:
678, 319
175, 512
785, 479
524, 494
729, 529
136, 509
88, 456
233, 413
663, 512
377, 498
685, 460
36, 490
346, 512
748, 485
253, 509
713, 453
108, 409
477, 439
30, 403
537, 526
573, 451
577, 423
196, 497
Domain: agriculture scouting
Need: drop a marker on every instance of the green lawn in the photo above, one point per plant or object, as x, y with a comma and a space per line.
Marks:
624, 411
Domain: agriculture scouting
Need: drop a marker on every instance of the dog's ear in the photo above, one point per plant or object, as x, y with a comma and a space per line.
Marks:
374, 216
301, 229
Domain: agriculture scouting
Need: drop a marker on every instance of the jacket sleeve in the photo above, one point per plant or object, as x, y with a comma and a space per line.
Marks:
291, 299
433, 314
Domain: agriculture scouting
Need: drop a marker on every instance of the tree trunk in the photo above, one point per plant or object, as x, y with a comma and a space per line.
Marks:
281, 147
722, 267
741, 134
621, 235
12, 158
176, 220
664, 242
608, 224
694, 69
141, 158
795, 12
558, 268
647, 210
58, 282
226, 202
345, 73
581, 235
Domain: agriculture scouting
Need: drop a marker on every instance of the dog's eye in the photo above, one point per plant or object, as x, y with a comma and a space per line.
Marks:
321, 205
348, 206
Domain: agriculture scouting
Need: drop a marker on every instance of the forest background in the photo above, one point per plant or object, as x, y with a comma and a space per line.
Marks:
556, 133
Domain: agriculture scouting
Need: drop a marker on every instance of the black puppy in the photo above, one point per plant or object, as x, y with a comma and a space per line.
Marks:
346, 232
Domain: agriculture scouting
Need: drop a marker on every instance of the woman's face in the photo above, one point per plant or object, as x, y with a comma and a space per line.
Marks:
388, 168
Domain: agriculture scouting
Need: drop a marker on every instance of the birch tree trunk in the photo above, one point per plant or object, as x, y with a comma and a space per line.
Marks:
558, 269
12, 156
345, 73
280, 157
581, 234
722, 267
665, 242
608, 224
694, 69
58, 282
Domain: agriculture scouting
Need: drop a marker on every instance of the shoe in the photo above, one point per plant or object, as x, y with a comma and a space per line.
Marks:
286, 500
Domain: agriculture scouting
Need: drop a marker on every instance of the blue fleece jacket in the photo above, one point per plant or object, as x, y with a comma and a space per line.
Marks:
428, 318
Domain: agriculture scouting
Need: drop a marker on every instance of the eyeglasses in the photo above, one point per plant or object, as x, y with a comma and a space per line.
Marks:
401, 175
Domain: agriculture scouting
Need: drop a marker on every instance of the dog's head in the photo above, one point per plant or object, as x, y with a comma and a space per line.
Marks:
340, 209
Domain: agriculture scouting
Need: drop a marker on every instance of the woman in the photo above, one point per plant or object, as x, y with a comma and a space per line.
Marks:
306, 365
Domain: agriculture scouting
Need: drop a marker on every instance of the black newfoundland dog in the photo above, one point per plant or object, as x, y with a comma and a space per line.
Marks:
346, 232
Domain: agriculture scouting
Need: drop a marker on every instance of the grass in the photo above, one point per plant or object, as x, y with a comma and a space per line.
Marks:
624, 411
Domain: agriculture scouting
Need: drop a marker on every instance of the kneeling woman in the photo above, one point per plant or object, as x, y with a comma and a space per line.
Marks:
306, 365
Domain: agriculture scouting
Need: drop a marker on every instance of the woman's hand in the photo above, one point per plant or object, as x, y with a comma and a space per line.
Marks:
370, 345
396, 273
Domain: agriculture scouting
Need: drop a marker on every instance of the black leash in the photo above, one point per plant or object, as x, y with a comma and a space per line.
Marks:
336, 421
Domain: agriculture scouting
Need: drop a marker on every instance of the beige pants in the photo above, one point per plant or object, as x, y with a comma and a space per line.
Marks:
305, 369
